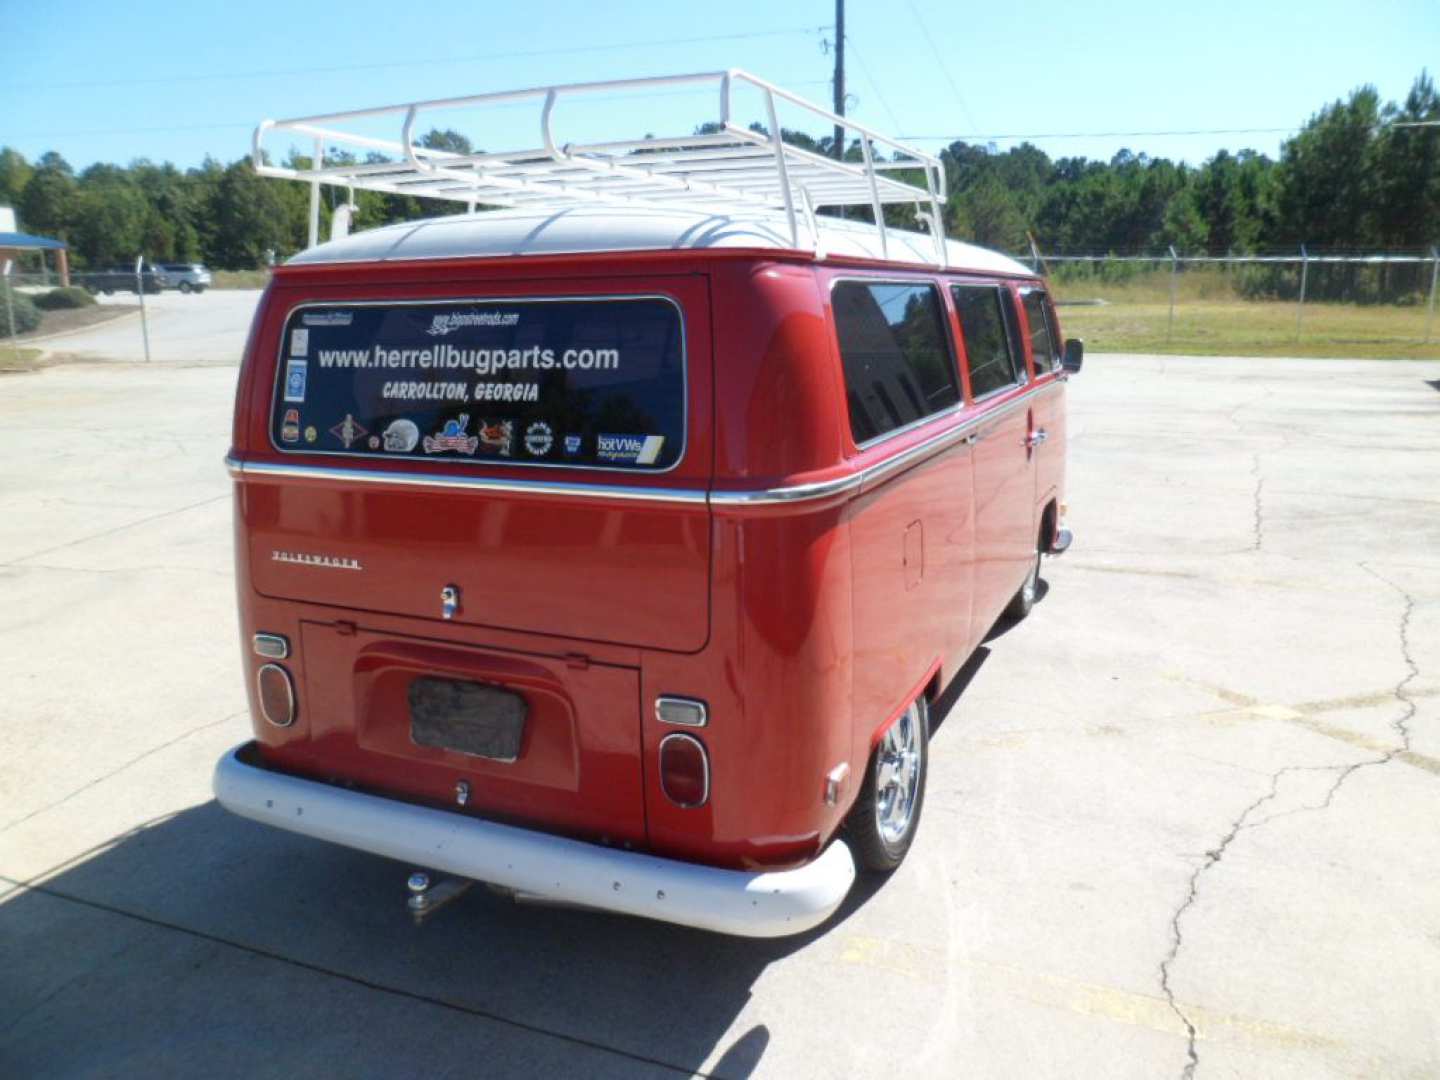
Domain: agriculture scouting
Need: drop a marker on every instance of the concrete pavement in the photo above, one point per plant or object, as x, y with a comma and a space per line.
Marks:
185, 328
1182, 818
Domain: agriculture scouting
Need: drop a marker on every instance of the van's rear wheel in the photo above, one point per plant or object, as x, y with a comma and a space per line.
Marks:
882, 824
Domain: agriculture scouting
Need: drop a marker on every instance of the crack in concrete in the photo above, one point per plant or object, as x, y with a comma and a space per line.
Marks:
1259, 524
117, 529
117, 770
1401, 725
1177, 938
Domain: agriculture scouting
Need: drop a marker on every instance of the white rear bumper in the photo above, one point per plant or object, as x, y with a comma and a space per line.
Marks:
750, 904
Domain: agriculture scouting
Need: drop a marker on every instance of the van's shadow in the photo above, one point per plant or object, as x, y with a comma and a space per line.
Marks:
287, 932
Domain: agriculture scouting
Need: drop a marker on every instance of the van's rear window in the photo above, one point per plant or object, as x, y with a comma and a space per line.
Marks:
598, 383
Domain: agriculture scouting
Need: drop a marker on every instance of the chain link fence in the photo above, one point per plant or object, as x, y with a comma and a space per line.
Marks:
1305, 303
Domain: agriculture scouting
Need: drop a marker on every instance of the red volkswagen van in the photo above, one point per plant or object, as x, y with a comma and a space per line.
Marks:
613, 556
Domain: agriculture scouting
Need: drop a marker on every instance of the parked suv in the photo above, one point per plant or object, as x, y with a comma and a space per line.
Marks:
113, 279
187, 277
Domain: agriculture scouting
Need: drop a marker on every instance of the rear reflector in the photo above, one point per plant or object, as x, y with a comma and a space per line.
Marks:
684, 770
276, 694
686, 712
271, 646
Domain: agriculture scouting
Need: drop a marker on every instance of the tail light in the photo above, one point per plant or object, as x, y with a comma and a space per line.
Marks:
276, 694
684, 770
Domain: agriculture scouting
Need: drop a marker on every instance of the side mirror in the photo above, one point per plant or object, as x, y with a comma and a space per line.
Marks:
1074, 355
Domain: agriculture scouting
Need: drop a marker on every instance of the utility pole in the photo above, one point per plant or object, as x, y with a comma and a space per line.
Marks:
839, 77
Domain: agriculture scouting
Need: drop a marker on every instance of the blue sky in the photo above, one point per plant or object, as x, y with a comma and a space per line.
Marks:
113, 81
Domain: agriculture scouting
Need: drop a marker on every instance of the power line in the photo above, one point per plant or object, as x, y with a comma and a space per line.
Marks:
973, 137
429, 63
874, 86
649, 94
944, 67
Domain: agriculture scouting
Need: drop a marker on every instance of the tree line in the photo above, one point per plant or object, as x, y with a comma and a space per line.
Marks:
1353, 178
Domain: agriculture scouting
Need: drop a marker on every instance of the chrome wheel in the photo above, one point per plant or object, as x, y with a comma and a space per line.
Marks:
898, 765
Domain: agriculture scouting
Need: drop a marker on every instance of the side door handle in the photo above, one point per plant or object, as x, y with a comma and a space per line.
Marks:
1035, 438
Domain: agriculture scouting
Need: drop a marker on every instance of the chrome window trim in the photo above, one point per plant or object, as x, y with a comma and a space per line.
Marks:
789, 494
881, 471
872, 475
704, 756
285, 328
945, 413
243, 470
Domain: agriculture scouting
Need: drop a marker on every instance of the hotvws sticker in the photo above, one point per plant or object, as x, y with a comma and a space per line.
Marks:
539, 438
452, 437
631, 449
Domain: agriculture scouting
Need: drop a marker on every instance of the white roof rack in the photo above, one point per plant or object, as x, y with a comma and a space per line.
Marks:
732, 168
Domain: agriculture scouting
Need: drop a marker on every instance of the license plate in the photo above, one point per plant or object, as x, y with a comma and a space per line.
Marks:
467, 717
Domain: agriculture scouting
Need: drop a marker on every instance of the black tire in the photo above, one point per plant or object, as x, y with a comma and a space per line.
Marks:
877, 849
1023, 602
108, 291
185, 286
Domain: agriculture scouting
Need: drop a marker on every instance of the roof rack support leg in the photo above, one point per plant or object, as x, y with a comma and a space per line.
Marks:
937, 217
316, 164
808, 203
875, 206
779, 145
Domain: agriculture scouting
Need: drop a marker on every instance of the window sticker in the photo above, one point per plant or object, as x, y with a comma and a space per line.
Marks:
401, 436
636, 449
596, 382
328, 318
348, 431
539, 438
452, 437
496, 437
296, 372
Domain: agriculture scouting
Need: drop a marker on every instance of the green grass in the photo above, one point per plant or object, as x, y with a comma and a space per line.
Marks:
27, 360
1212, 320
239, 279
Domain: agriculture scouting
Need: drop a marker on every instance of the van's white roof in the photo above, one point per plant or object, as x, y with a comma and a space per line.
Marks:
603, 228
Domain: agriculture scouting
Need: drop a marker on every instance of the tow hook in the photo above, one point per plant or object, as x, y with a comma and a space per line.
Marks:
427, 897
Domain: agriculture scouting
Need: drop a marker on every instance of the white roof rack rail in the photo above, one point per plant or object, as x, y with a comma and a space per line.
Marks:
731, 168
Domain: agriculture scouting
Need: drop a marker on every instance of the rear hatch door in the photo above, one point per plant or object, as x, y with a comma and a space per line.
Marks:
525, 455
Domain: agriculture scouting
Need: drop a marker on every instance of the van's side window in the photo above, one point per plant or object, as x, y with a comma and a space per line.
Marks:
987, 323
893, 346
1043, 346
